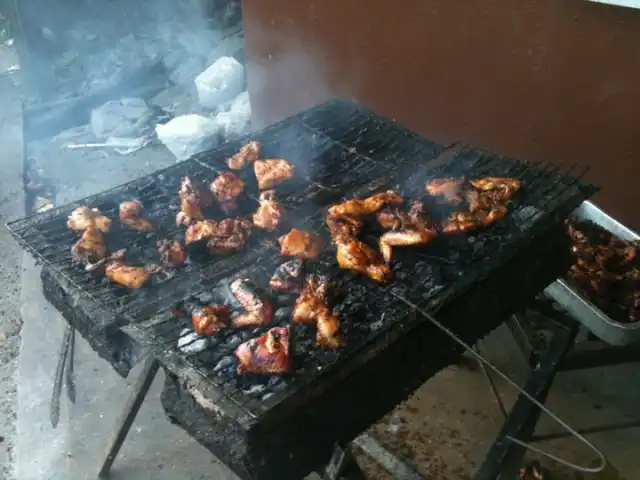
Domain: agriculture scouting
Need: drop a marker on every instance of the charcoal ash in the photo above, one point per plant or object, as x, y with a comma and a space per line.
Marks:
191, 342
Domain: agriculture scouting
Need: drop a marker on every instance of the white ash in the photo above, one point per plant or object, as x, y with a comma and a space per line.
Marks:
191, 342
234, 122
226, 363
527, 216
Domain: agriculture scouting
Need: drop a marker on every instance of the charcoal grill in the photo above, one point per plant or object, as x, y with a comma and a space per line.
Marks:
285, 427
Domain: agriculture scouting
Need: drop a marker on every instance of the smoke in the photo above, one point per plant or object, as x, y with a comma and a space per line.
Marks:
83, 46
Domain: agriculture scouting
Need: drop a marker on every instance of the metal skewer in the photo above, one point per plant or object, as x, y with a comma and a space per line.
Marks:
65, 363
602, 460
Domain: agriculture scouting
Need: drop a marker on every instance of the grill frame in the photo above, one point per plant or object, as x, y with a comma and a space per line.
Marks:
255, 433
355, 400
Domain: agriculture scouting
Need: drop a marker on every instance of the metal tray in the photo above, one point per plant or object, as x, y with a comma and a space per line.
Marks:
599, 323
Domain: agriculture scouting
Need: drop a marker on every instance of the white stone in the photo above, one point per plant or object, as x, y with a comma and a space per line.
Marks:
233, 122
188, 135
221, 82
127, 117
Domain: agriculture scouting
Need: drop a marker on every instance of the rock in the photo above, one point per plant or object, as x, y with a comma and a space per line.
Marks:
127, 117
187, 135
221, 82
233, 122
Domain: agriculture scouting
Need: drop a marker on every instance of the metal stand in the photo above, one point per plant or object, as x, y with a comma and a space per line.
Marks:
342, 466
128, 415
560, 354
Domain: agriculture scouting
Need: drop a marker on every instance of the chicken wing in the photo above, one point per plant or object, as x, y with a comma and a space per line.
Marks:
301, 244
269, 212
191, 203
231, 235
82, 217
131, 215
446, 190
352, 254
226, 188
91, 247
258, 309
126, 275
272, 172
172, 253
357, 208
209, 319
312, 306
200, 230
288, 277
267, 354
502, 187
404, 238
248, 154
459, 222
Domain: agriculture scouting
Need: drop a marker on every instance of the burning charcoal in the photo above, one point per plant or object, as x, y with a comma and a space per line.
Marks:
255, 389
283, 313
227, 363
191, 342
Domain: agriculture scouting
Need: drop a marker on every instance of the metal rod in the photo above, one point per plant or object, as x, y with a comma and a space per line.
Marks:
494, 389
390, 462
454, 337
128, 415
588, 431
54, 413
342, 465
69, 379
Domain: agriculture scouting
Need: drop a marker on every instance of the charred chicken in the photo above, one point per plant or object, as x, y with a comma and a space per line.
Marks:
257, 308
200, 230
269, 211
272, 172
125, 275
247, 155
267, 354
226, 188
131, 215
91, 247
172, 253
312, 306
192, 201
301, 244
231, 235
82, 217
209, 319
288, 277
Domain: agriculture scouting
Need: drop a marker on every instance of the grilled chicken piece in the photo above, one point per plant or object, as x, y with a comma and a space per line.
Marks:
131, 215
172, 253
91, 247
391, 219
210, 319
447, 190
125, 275
231, 236
502, 187
312, 306
352, 254
269, 212
248, 154
226, 188
352, 210
288, 277
404, 238
191, 203
459, 222
267, 354
484, 217
272, 172
200, 230
82, 217
301, 244
258, 309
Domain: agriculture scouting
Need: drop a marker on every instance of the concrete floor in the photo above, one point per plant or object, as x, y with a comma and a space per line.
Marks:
444, 429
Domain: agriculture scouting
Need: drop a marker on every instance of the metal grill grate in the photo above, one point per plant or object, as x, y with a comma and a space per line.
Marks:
430, 276
324, 170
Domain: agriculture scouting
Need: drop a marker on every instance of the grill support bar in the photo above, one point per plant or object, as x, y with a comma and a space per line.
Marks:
128, 415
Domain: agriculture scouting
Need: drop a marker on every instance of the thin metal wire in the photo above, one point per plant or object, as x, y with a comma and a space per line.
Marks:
505, 377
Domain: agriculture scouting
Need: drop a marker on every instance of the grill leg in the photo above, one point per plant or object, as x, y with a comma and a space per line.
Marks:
342, 466
138, 394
